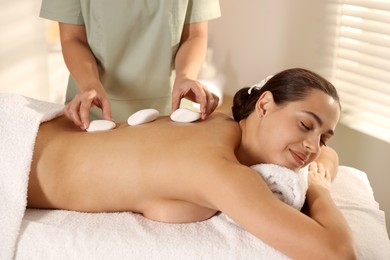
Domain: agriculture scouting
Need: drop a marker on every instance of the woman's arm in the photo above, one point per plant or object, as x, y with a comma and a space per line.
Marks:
329, 159
320, 205
188, 62
83, 66
241, 194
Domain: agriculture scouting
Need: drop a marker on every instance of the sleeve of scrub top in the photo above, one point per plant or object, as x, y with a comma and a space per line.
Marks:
202, 10
65, 11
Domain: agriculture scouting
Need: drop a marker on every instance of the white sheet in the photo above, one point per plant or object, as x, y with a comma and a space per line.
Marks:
45, 233
354, 196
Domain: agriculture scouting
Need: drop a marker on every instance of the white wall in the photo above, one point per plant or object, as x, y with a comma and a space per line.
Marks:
23, 54
256, 38
261, 37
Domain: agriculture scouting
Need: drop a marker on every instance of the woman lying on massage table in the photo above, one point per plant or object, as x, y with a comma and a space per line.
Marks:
186, 172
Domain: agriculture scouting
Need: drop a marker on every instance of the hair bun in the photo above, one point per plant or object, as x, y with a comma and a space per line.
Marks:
240, 101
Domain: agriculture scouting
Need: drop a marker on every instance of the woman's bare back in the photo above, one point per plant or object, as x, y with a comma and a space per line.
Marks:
147, 168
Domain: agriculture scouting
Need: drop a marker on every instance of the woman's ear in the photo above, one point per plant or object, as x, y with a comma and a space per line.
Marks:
264, 104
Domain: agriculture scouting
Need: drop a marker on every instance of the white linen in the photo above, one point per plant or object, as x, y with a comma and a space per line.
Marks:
354, 196
19, 121
58, 234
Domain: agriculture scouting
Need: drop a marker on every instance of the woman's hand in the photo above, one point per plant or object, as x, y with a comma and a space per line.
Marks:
195, 91
78, 109
318, 176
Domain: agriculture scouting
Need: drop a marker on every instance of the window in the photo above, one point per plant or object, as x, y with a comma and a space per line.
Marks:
361, 65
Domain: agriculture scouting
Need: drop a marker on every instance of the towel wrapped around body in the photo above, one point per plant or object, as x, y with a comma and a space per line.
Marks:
20, 118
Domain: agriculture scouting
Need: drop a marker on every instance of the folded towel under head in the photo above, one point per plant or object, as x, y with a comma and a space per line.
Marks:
289, 186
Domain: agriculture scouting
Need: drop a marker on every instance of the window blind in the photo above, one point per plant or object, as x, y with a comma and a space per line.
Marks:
361, 65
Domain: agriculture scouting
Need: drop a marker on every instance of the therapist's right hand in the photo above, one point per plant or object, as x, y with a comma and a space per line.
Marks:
78, 109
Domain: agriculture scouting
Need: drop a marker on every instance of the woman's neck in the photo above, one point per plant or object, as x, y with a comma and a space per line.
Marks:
243, 152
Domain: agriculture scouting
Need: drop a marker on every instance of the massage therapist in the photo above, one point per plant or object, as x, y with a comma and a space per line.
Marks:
121, 55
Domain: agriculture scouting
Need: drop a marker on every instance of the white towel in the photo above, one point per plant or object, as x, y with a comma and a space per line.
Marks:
19, 121
289, 186
353, 194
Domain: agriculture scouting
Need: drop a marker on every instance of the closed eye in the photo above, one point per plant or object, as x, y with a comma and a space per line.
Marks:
307, 128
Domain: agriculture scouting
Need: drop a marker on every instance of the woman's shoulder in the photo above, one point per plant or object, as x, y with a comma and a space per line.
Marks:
220, 122
221, 118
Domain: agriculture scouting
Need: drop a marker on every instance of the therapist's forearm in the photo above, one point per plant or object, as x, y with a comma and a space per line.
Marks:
190, 58
191, 55
81, 62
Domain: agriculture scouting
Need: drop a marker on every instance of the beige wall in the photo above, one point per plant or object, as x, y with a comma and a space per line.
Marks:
23, 52
261, 37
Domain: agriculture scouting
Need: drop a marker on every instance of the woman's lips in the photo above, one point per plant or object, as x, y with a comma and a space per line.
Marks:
298, 157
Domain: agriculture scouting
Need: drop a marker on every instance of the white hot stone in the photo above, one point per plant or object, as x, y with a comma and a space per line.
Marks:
100, 125
184, 115
143, 116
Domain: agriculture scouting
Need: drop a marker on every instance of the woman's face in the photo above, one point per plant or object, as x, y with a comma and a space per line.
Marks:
292, 135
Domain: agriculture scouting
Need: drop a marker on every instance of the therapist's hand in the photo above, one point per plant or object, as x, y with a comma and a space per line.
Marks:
195, 91
78, 109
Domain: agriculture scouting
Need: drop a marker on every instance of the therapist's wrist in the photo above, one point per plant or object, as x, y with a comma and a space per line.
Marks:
90, 84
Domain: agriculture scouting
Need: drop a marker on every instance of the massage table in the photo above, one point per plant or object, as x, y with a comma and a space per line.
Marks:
60, 234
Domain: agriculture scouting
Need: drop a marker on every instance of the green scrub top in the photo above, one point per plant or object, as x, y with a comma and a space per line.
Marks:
135, 42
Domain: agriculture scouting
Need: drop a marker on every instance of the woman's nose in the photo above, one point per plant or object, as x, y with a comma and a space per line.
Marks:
312, 144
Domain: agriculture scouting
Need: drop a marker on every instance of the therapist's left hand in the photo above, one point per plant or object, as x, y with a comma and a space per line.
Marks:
195, 91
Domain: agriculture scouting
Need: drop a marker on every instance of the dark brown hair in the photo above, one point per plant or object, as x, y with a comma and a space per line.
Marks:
286, 86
